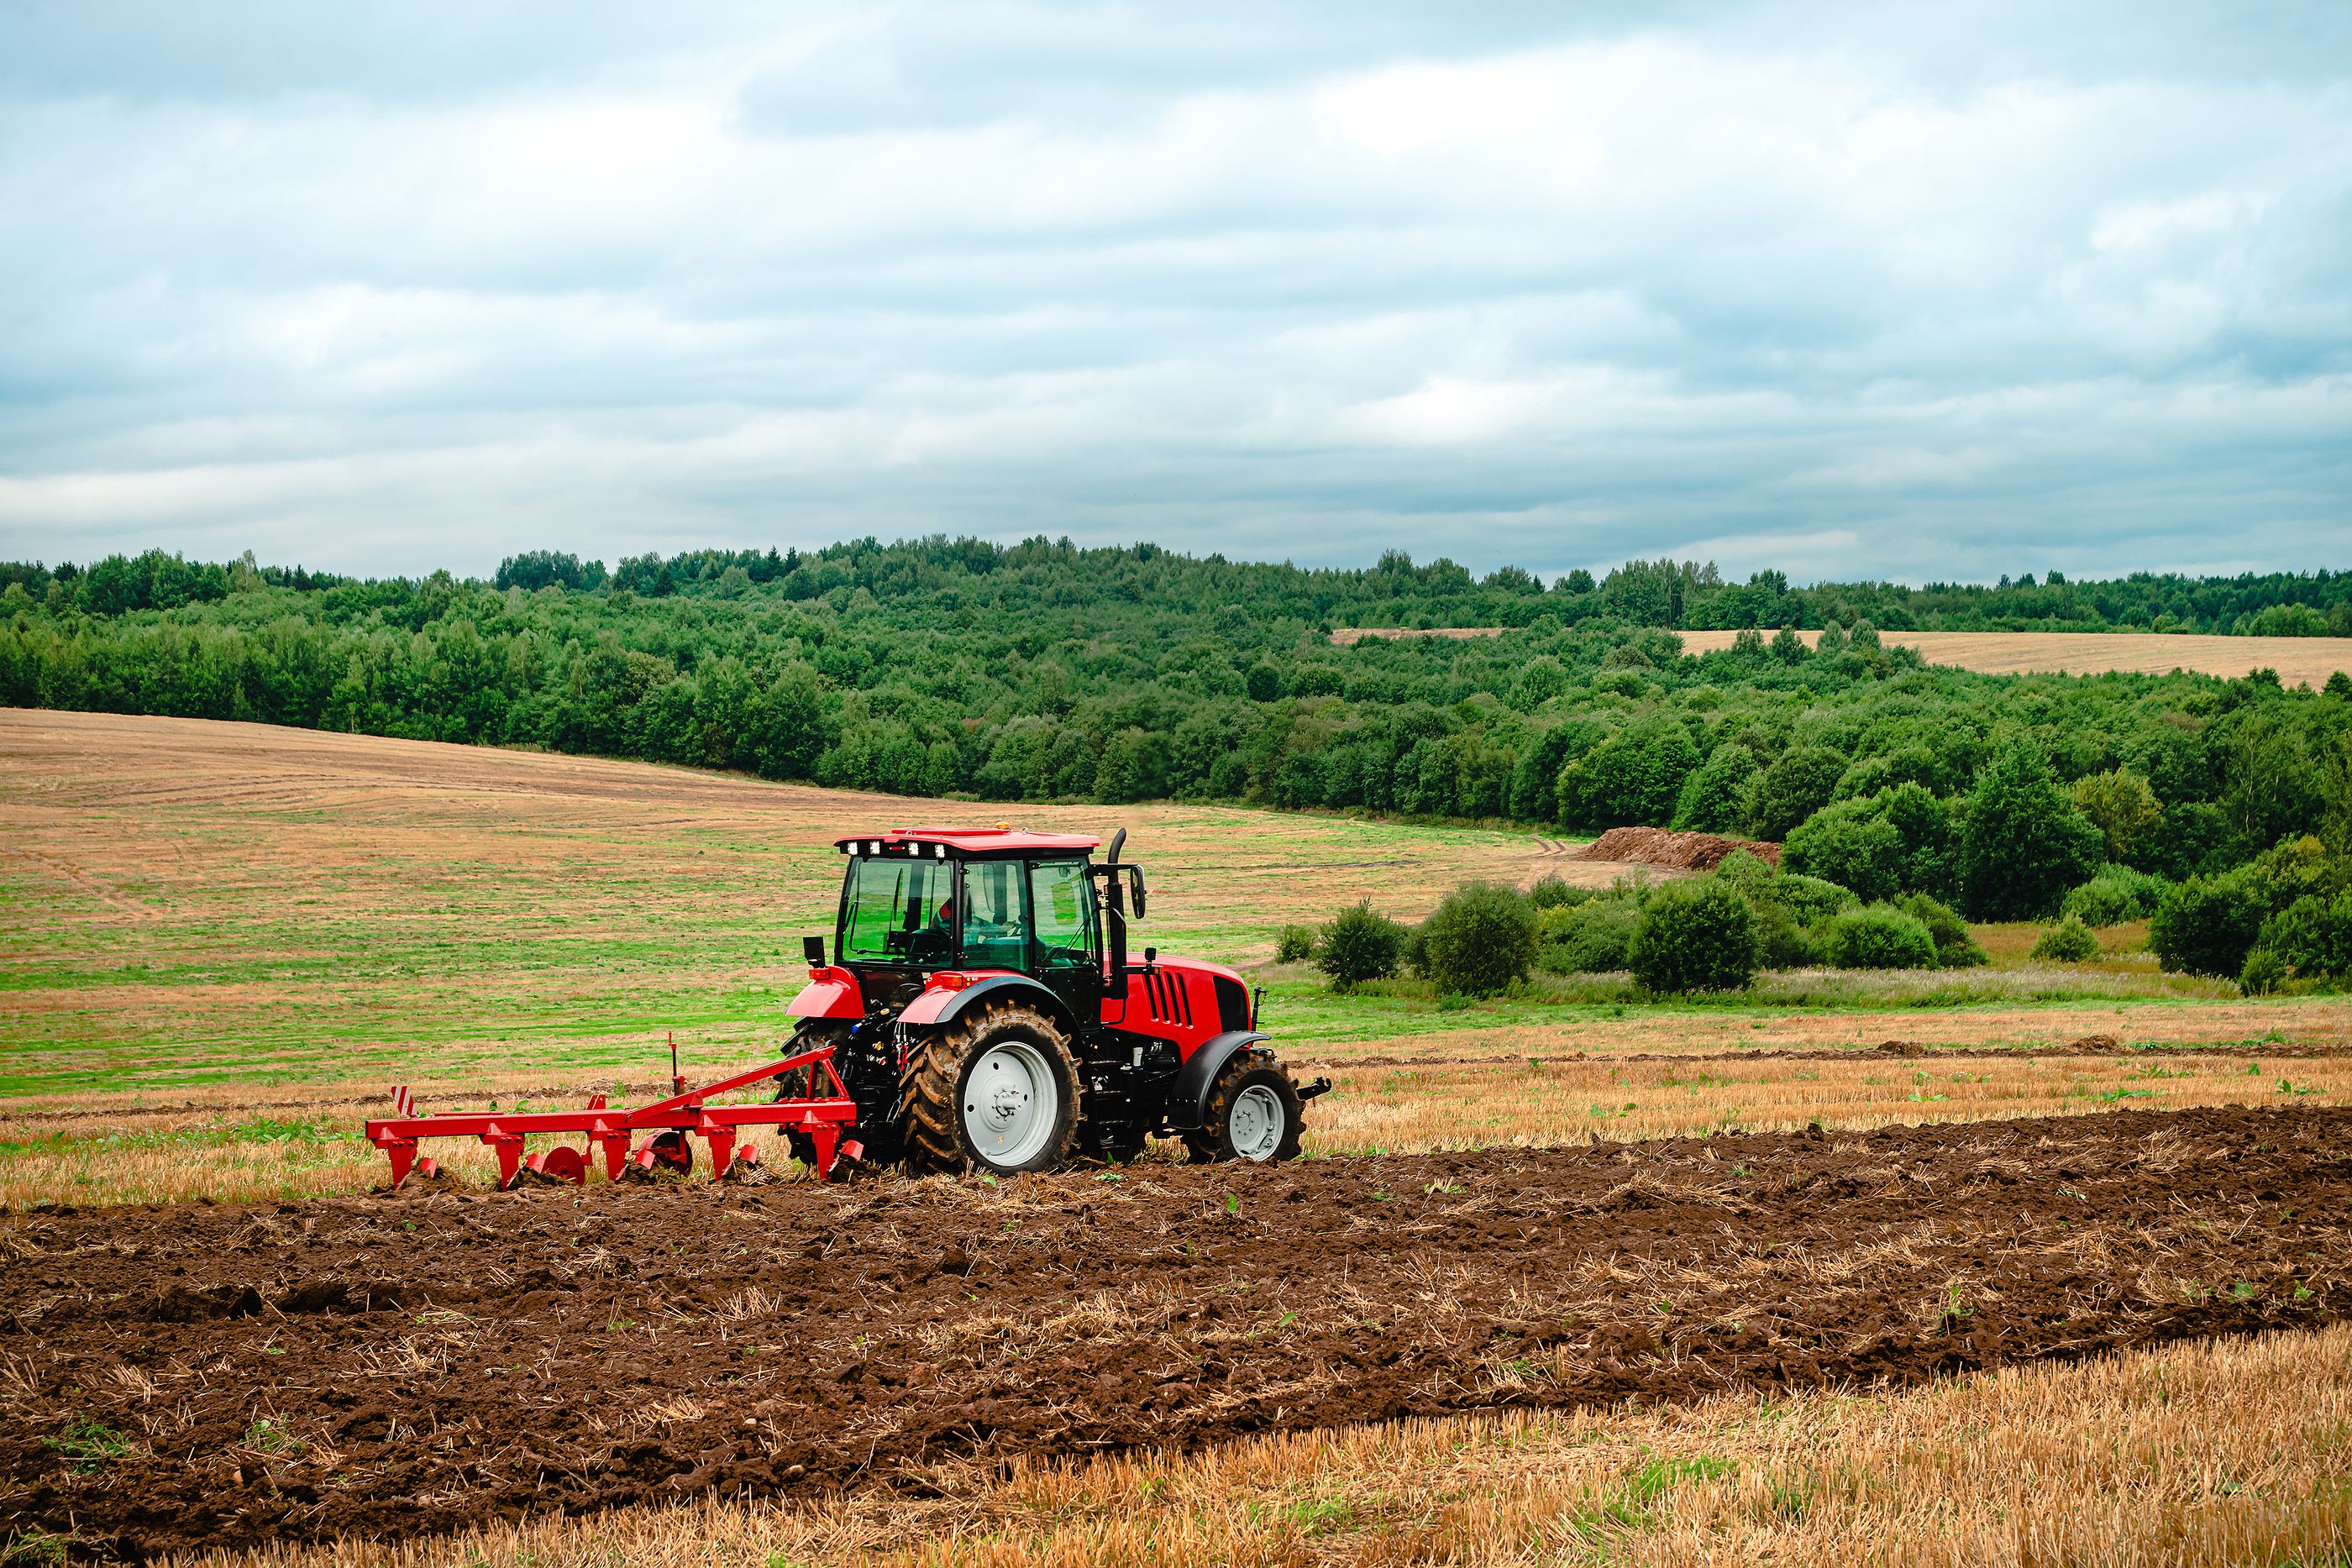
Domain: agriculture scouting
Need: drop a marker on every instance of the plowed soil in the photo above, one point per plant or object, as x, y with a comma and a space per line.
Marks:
410, 1362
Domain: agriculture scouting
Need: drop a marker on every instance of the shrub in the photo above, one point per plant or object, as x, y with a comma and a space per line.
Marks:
1880, 937
1359, 946
2025, 842
1295, 943
1782, 941
1852, 844
1480, 940
1590, 938
2206, 925
1791, 789
2116, 895
1809, 898
1552, 892
1713, 797
2068, 942
1954, 948
2312, 935
2264, 972
2121, 806
1695, 935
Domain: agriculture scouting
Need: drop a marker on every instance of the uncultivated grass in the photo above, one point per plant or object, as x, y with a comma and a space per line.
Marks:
2193, 1453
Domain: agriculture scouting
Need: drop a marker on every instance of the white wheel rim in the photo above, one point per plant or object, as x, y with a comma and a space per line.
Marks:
1010, 1104
1255, 1123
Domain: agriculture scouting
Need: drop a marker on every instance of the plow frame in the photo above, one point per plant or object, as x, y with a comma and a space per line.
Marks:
824, 1118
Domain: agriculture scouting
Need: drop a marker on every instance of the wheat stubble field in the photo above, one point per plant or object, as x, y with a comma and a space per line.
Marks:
2307, 661
218, 942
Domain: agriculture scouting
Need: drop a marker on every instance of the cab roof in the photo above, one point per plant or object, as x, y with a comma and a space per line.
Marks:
996, 840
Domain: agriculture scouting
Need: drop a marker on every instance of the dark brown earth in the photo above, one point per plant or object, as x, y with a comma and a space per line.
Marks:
411, 1363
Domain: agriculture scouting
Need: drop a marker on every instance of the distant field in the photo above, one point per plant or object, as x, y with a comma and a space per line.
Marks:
2305, 660
2298, 660
184, 902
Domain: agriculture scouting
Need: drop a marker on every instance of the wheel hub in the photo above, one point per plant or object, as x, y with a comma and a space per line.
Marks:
1256, 1123
1010, 1104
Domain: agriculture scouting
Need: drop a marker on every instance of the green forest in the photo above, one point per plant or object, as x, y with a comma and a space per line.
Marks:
1043, 671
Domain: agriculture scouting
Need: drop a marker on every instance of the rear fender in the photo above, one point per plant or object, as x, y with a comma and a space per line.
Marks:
1188, 1098
937, 1004
831, 993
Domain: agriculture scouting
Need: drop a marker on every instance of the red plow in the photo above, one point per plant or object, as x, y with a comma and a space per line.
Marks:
821, 1111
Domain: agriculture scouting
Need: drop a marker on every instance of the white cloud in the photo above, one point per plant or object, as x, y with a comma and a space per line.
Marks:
1973, 298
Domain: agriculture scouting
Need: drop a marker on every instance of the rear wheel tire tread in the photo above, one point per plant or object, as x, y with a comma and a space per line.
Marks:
933, 1082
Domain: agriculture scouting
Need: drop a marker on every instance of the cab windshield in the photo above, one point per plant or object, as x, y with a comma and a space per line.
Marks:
898, 911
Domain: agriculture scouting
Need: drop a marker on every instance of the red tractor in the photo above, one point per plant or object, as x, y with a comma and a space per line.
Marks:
982, 1013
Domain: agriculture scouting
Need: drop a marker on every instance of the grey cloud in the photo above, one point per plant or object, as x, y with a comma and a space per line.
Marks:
1990, 290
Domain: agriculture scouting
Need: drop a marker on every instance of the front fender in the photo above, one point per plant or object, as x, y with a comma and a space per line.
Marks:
939, 1005
1188, 1099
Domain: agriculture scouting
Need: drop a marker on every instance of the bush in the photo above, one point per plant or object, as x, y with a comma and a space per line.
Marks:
2068, 942
1809, 898
2206, 925
2116, 895
1695, 935
2313, 937
1954, 948
2025, 842
1791, 789
1295, 943
1590, 938
1359, 946
2264, 972
1782, 941
1880, 937
1481, 940
1713, 797
1852, 844
1552, 892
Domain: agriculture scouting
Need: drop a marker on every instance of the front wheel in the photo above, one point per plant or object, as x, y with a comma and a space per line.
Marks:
1254, 1113
996, 1093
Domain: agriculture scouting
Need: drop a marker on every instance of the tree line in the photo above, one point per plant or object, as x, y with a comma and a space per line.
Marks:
1040, 671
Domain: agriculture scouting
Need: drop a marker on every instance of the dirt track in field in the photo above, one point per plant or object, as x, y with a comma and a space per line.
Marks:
415, 1361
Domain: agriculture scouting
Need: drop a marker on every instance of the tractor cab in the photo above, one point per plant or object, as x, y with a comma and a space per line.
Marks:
984, 900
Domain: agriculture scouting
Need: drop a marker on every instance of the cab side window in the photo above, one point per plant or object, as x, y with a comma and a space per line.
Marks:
995, 936
1064, 912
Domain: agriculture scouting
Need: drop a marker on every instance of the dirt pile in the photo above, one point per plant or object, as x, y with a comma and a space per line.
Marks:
1685, 852
414, 1363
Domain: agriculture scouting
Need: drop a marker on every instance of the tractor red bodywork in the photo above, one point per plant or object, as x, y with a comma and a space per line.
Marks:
1148, 1038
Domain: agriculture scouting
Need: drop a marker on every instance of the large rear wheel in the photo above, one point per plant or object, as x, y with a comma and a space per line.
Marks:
996, 1092
1253, 1112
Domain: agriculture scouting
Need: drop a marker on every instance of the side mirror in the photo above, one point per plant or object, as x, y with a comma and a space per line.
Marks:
1138, 871
813, 949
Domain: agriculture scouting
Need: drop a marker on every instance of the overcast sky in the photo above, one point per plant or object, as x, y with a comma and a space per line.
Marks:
1852, 291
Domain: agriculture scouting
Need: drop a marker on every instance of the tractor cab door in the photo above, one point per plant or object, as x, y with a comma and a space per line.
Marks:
1067, 951
995, 923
